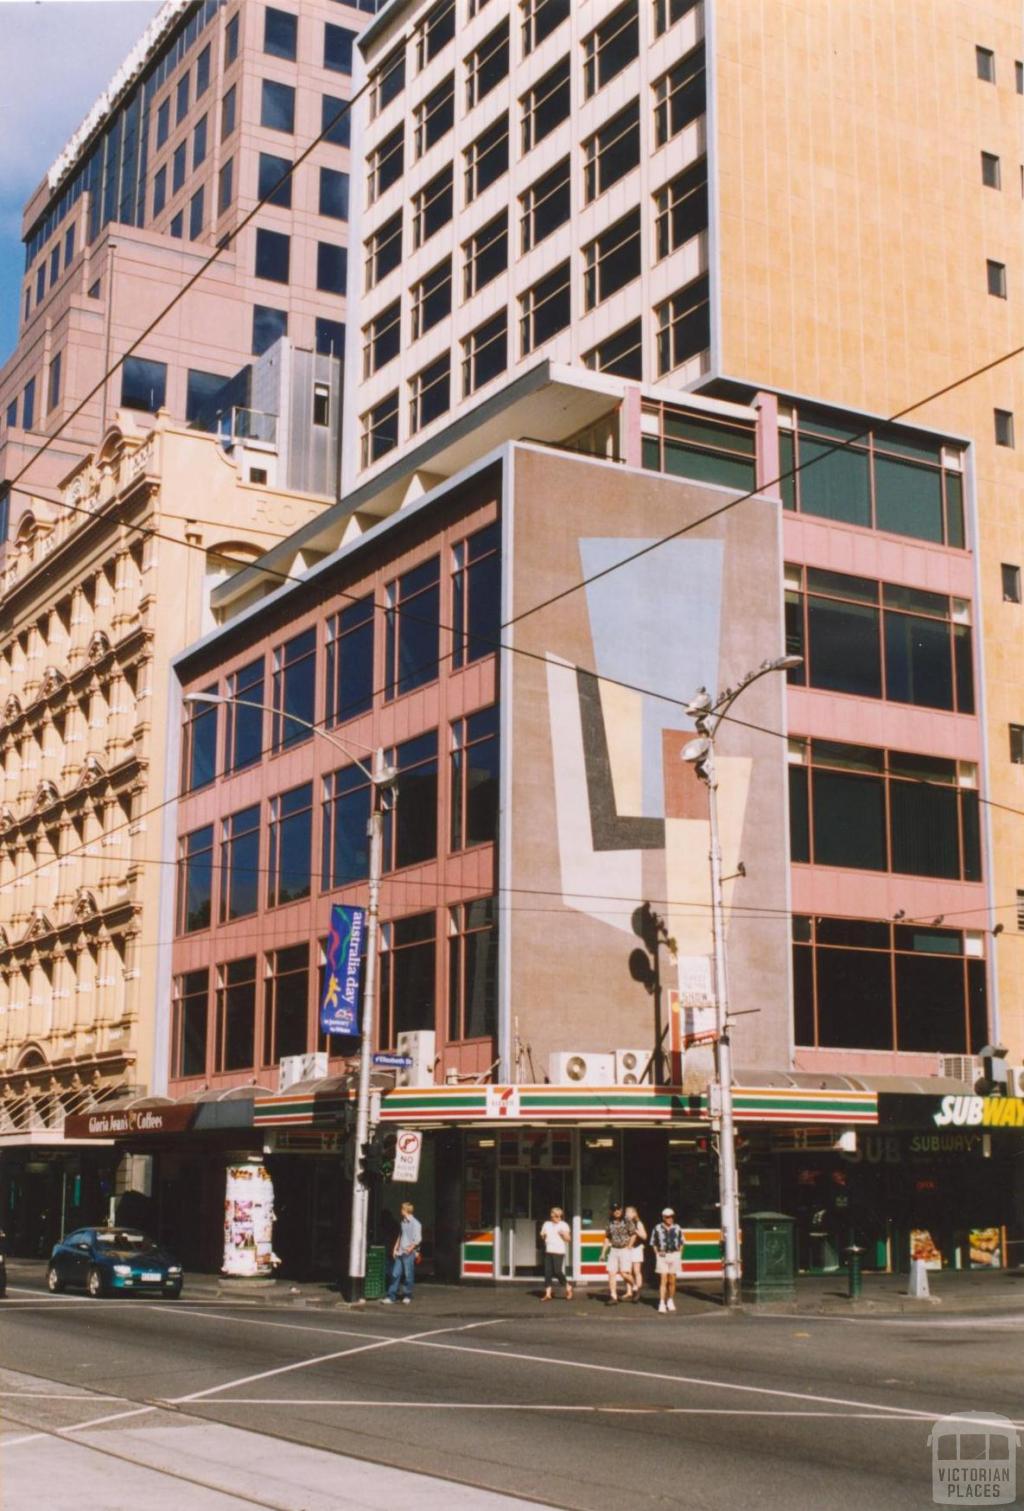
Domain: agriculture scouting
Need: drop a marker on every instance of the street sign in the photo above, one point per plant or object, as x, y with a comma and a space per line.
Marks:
408, 1148
393, 1062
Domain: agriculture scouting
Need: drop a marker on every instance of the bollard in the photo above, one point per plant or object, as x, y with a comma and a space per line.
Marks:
853, 1253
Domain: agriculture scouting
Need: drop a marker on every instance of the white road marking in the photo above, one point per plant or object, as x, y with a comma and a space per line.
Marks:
114, 1416
41, 1395
883, 1414
905, 1319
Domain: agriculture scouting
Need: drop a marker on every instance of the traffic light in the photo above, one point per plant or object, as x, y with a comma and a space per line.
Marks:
387, 1154
371, 1165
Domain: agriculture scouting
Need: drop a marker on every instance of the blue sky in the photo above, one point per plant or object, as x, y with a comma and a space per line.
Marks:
58, 56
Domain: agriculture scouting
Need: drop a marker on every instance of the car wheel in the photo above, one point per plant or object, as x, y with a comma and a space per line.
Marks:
53, 1281
95, 1283
173, 1291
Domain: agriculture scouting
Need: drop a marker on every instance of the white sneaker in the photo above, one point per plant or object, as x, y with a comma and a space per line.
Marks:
387, 1301
671, 1305
407, 1299
662, 1307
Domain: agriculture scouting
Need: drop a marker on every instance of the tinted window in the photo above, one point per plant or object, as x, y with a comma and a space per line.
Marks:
849, 821
143, 384
273, 186
335, 121
412, 628
278, 106
273, 255
245, 717
294, 690
844, 647
338, 42
268, 325
330, 338
331, 268
334, 193
347, 801
350, 662
291, 839
411, 826
280, 33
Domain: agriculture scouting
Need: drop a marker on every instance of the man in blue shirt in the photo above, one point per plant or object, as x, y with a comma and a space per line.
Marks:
668, 1244
403, 1256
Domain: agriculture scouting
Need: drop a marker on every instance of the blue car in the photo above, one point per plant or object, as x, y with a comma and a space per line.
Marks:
108, 1260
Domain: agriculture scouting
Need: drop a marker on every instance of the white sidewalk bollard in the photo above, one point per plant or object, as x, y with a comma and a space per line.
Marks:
919, 1281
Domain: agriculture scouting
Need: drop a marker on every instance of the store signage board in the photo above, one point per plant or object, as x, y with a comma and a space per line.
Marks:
990, 1114
128, 1122
393, 1062
503, 1102
408, 1148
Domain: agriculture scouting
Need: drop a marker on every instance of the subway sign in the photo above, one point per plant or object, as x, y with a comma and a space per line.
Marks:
980, 1112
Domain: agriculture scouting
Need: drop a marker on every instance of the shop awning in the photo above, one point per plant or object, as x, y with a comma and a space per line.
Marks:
154, 1117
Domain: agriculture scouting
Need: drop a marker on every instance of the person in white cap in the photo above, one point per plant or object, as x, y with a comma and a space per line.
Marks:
668, 1244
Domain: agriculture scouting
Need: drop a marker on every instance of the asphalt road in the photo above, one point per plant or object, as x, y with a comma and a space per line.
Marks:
571, 1405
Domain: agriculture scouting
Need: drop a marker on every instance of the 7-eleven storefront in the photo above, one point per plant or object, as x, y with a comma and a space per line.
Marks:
497, 1158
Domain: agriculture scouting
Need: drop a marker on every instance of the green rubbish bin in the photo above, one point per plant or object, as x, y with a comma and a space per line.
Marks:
376, 1282
769, 1260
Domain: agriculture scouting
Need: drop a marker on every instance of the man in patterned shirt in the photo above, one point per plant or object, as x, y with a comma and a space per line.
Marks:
668, 1244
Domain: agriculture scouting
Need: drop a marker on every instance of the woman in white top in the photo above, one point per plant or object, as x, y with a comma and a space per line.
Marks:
556, 1236
636, 1253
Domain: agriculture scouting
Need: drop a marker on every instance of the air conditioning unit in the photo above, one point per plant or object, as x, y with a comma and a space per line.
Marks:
1015, 1080
421, 1048
965, 1068
294, 1068
581, 1067
631, 1066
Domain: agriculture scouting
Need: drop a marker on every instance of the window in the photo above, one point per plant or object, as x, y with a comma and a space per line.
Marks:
546, 205
434, 32
995, 273
1017, 744
350, 662
613, 151
226, 185
683, 326
291, 840
277, 108
54, 264
280, 34
12, 414
163, 121
294, 691
348, 801
877, 810
432, 207
486, 255
329, 338
1011, 583
159, 191
546, 105
181, 100
236, 1015
203, 71
611, 47
335, 121
53, 390
679, 97
699, 445
487, 65
239, 864
388, 81
473, 970
177, 225
878, 477
178, 165
286, 1024
382, 339
321, 404
268, 326
990, 171
380, 429
621, 354
474, 779
196, 213
1003, 427
40, 281
69, 247
331, 268
668, 12
1020, 909
143, 384
227, 112
199, 745
435, 116
865, 985
487, 158
545, 309
612, 259
1018, 70
274, 184
408, 963
412, 628
384, 250
476, 596
410, 826
338, 42
485, 353
191, 1006
430, 393
681, 210
334, 194
386, 163
985, 62
195, 880
243, 744
273, 255
199, 144
28, 403
231, 40
432, 298
540, 19
878, 640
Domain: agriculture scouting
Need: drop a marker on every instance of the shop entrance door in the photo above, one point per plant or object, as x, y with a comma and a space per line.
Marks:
525, 1199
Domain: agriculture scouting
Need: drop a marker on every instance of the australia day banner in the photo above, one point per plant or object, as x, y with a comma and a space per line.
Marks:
339, 1010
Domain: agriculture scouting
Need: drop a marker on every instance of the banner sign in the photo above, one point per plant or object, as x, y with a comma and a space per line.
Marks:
339, 1010
408, 1147
392, 1062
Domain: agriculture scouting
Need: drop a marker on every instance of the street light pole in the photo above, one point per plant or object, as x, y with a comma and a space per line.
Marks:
707, 714
382, 776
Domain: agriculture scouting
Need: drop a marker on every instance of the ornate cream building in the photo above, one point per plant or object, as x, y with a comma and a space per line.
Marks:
98, 594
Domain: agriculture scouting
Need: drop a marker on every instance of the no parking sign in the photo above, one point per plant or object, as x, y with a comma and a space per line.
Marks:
408, 1147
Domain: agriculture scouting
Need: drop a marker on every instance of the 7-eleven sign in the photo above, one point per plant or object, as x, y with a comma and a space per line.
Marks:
503, 1102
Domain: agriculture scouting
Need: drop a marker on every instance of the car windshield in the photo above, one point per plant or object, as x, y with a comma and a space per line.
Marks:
125, 1241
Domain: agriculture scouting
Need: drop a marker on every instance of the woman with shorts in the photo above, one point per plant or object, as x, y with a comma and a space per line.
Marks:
618, 1252
636, 1253
555, 1236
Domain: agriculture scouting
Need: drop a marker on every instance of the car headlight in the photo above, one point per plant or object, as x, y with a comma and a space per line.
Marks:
122, 1269
174, 1269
